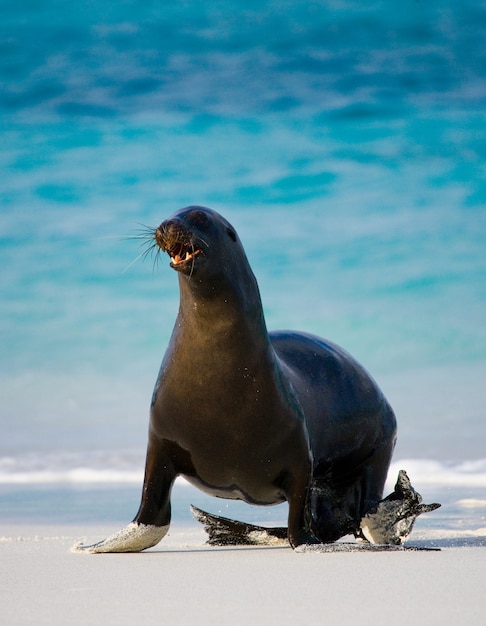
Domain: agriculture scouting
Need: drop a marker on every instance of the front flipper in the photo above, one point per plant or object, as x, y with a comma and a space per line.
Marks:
227, 532
394, 517
133, 538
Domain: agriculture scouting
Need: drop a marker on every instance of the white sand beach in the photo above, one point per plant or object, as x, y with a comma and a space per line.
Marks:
182, 581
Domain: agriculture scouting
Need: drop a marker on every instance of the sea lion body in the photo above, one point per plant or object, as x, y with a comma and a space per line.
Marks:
251, 415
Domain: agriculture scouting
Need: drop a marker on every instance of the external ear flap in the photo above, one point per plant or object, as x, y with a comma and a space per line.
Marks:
231, 233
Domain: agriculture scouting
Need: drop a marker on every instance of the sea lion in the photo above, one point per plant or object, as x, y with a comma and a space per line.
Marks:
246, 414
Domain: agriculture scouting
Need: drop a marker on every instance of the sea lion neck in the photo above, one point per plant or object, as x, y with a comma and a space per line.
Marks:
230, 308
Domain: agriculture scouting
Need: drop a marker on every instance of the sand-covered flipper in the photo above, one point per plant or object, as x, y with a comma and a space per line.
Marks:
394, 517
227, 532
133, 538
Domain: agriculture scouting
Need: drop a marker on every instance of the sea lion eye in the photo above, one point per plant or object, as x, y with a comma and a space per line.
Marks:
231, 233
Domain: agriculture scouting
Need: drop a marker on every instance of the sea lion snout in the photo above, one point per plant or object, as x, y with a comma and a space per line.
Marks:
168, 233
173, 237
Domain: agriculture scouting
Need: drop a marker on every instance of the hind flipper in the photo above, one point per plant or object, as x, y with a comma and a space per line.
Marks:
227, 532
393, 519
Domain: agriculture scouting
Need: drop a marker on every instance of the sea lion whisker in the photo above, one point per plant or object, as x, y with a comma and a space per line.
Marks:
193, 257
146, 237
145, 232
145, 229
156, 258
142, 254
149, 250
202, 241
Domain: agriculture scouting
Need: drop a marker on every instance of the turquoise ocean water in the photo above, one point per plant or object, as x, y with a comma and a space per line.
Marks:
346, 142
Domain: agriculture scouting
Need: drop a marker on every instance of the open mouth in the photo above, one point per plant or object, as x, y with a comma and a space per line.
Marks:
181, 253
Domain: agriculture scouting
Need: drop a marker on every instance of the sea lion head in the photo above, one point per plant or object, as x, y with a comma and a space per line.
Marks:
199, 242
